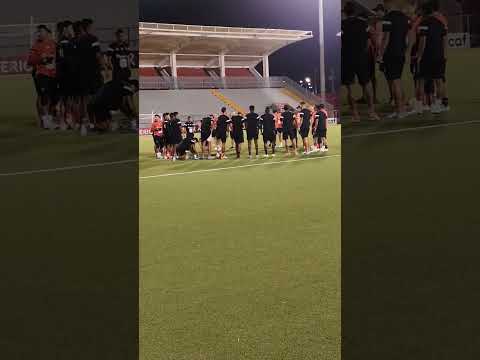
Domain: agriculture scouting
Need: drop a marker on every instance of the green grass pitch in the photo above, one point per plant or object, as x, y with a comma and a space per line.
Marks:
242, 263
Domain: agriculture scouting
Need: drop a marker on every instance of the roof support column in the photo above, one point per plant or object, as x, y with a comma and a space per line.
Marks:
173, 66
221, 61
266, 70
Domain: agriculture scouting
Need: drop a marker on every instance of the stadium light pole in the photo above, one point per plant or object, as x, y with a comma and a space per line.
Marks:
322, 51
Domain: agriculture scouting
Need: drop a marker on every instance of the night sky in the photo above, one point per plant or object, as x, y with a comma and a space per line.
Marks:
296, 61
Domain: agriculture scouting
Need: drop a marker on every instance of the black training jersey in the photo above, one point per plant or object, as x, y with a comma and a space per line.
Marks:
167, 128
237, 123
397, 24
434, 31
287, 118
306, 116
177, 126
206, 124
189, 129
268, 123
67, 57
89, 48
120, 56
322, 120
354, 38
252, 120
222, 124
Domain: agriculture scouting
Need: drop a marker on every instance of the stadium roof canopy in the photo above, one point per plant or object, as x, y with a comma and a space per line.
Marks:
211, 46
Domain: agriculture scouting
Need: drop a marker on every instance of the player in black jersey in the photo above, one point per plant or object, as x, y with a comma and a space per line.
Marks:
120, 57
92, 63
252, 120
320, 126
432, 56
187, 144
206, 136
176, 133
268, 126
223, 122
306, 116
355, 59
237, 132
113, 96
67, 75
289, 130
189, 128
392, 52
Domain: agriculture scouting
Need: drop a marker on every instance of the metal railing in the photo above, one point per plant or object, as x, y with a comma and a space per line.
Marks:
159, 83
16, 39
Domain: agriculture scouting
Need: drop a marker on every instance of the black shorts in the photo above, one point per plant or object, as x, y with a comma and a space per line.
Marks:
252, 134
432, 69
45, 86
394, 67
68, 86
269, 137
176, 138
352, 68
279, 130
321, 133
159, 141
167, 138
222, 136
90, 84
304, 132
291, 133
238, 137
204, 136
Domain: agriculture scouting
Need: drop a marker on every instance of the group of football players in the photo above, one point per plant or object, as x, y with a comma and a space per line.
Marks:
78, 84
396, 32
174, 139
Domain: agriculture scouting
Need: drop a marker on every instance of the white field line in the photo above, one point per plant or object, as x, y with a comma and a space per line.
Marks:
236, 167
67, 168
386, 132
416, 128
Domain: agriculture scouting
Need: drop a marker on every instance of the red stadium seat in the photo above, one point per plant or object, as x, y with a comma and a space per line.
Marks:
191, 72
238, 72
148, 71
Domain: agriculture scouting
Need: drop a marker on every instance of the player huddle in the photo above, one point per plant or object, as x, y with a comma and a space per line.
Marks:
176, 140
78, 85
387, 40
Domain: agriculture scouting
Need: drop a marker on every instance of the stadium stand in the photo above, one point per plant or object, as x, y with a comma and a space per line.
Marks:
259, 97
206, 67
194, 102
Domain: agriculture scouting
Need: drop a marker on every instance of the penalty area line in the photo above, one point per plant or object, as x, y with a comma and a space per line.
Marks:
235, 167
67, 168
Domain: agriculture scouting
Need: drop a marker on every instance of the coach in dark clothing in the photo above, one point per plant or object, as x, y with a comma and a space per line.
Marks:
392, 52
355, 36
